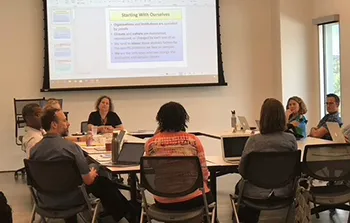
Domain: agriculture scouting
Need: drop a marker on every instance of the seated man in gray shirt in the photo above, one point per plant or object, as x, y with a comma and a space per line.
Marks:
54, 147
321, 131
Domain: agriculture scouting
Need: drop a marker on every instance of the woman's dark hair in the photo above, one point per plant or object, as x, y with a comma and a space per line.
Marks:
48, 117
172, 117
272, 117
111, 106
302, 105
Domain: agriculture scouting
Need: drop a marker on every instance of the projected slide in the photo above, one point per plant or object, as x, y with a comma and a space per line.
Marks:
126, 43
139, 37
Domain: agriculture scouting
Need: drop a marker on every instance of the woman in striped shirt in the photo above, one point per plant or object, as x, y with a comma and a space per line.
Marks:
171, 139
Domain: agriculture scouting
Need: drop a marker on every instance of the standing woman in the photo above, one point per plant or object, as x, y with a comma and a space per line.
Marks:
296, 109
104, 117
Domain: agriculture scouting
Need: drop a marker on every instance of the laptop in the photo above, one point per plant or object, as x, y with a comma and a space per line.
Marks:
336, 132
244, 123
232, 147
120, 138
131, 153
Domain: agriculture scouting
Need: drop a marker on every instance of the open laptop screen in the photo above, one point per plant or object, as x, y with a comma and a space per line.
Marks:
120, 136
131, 152
233, 146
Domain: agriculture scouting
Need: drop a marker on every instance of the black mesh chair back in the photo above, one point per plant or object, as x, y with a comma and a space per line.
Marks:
84, 127
58, 178
20, 103
327, 162
173, 176
53, 177
271, 170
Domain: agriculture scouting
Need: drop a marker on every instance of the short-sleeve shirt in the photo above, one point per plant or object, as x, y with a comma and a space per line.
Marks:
30, 138
112, 119
329, 118
56, 148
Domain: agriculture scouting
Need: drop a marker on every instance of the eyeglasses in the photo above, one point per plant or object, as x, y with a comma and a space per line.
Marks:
329, 103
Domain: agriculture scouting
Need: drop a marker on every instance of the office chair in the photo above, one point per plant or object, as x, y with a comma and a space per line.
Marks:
84, 127
269, 170
55, 178
328, 162
160, 176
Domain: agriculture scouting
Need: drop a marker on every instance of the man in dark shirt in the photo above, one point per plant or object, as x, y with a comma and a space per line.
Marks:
321, 131
54, 147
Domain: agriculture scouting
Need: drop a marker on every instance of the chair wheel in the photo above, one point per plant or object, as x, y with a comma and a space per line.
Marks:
317, 215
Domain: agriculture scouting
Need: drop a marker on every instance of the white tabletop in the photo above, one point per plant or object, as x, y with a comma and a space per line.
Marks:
311, 141
99, 154
104, 159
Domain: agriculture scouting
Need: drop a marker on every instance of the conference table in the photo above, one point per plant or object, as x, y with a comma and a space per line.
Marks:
217, 166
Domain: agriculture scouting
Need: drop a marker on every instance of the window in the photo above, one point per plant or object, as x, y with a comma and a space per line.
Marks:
329, 58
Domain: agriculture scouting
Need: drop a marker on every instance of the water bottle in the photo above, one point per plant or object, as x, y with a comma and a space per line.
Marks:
115, 148
233, 121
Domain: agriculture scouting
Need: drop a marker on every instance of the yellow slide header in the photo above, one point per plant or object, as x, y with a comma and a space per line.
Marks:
144, 15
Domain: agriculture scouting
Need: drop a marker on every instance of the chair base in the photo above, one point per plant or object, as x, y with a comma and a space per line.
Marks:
20, 172
261, 205
178, 216
322, 208
330, 197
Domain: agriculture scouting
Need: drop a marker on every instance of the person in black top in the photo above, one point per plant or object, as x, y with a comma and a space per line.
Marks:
104, 117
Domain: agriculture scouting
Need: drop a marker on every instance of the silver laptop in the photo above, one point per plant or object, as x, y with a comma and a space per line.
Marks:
335, 132
232, 146
244, 123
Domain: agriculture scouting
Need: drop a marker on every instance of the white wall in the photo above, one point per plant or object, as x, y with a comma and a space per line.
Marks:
329, 7
296, 55
248, 38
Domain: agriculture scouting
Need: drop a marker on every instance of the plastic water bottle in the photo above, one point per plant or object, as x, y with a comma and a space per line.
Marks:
233, 121
115, 148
